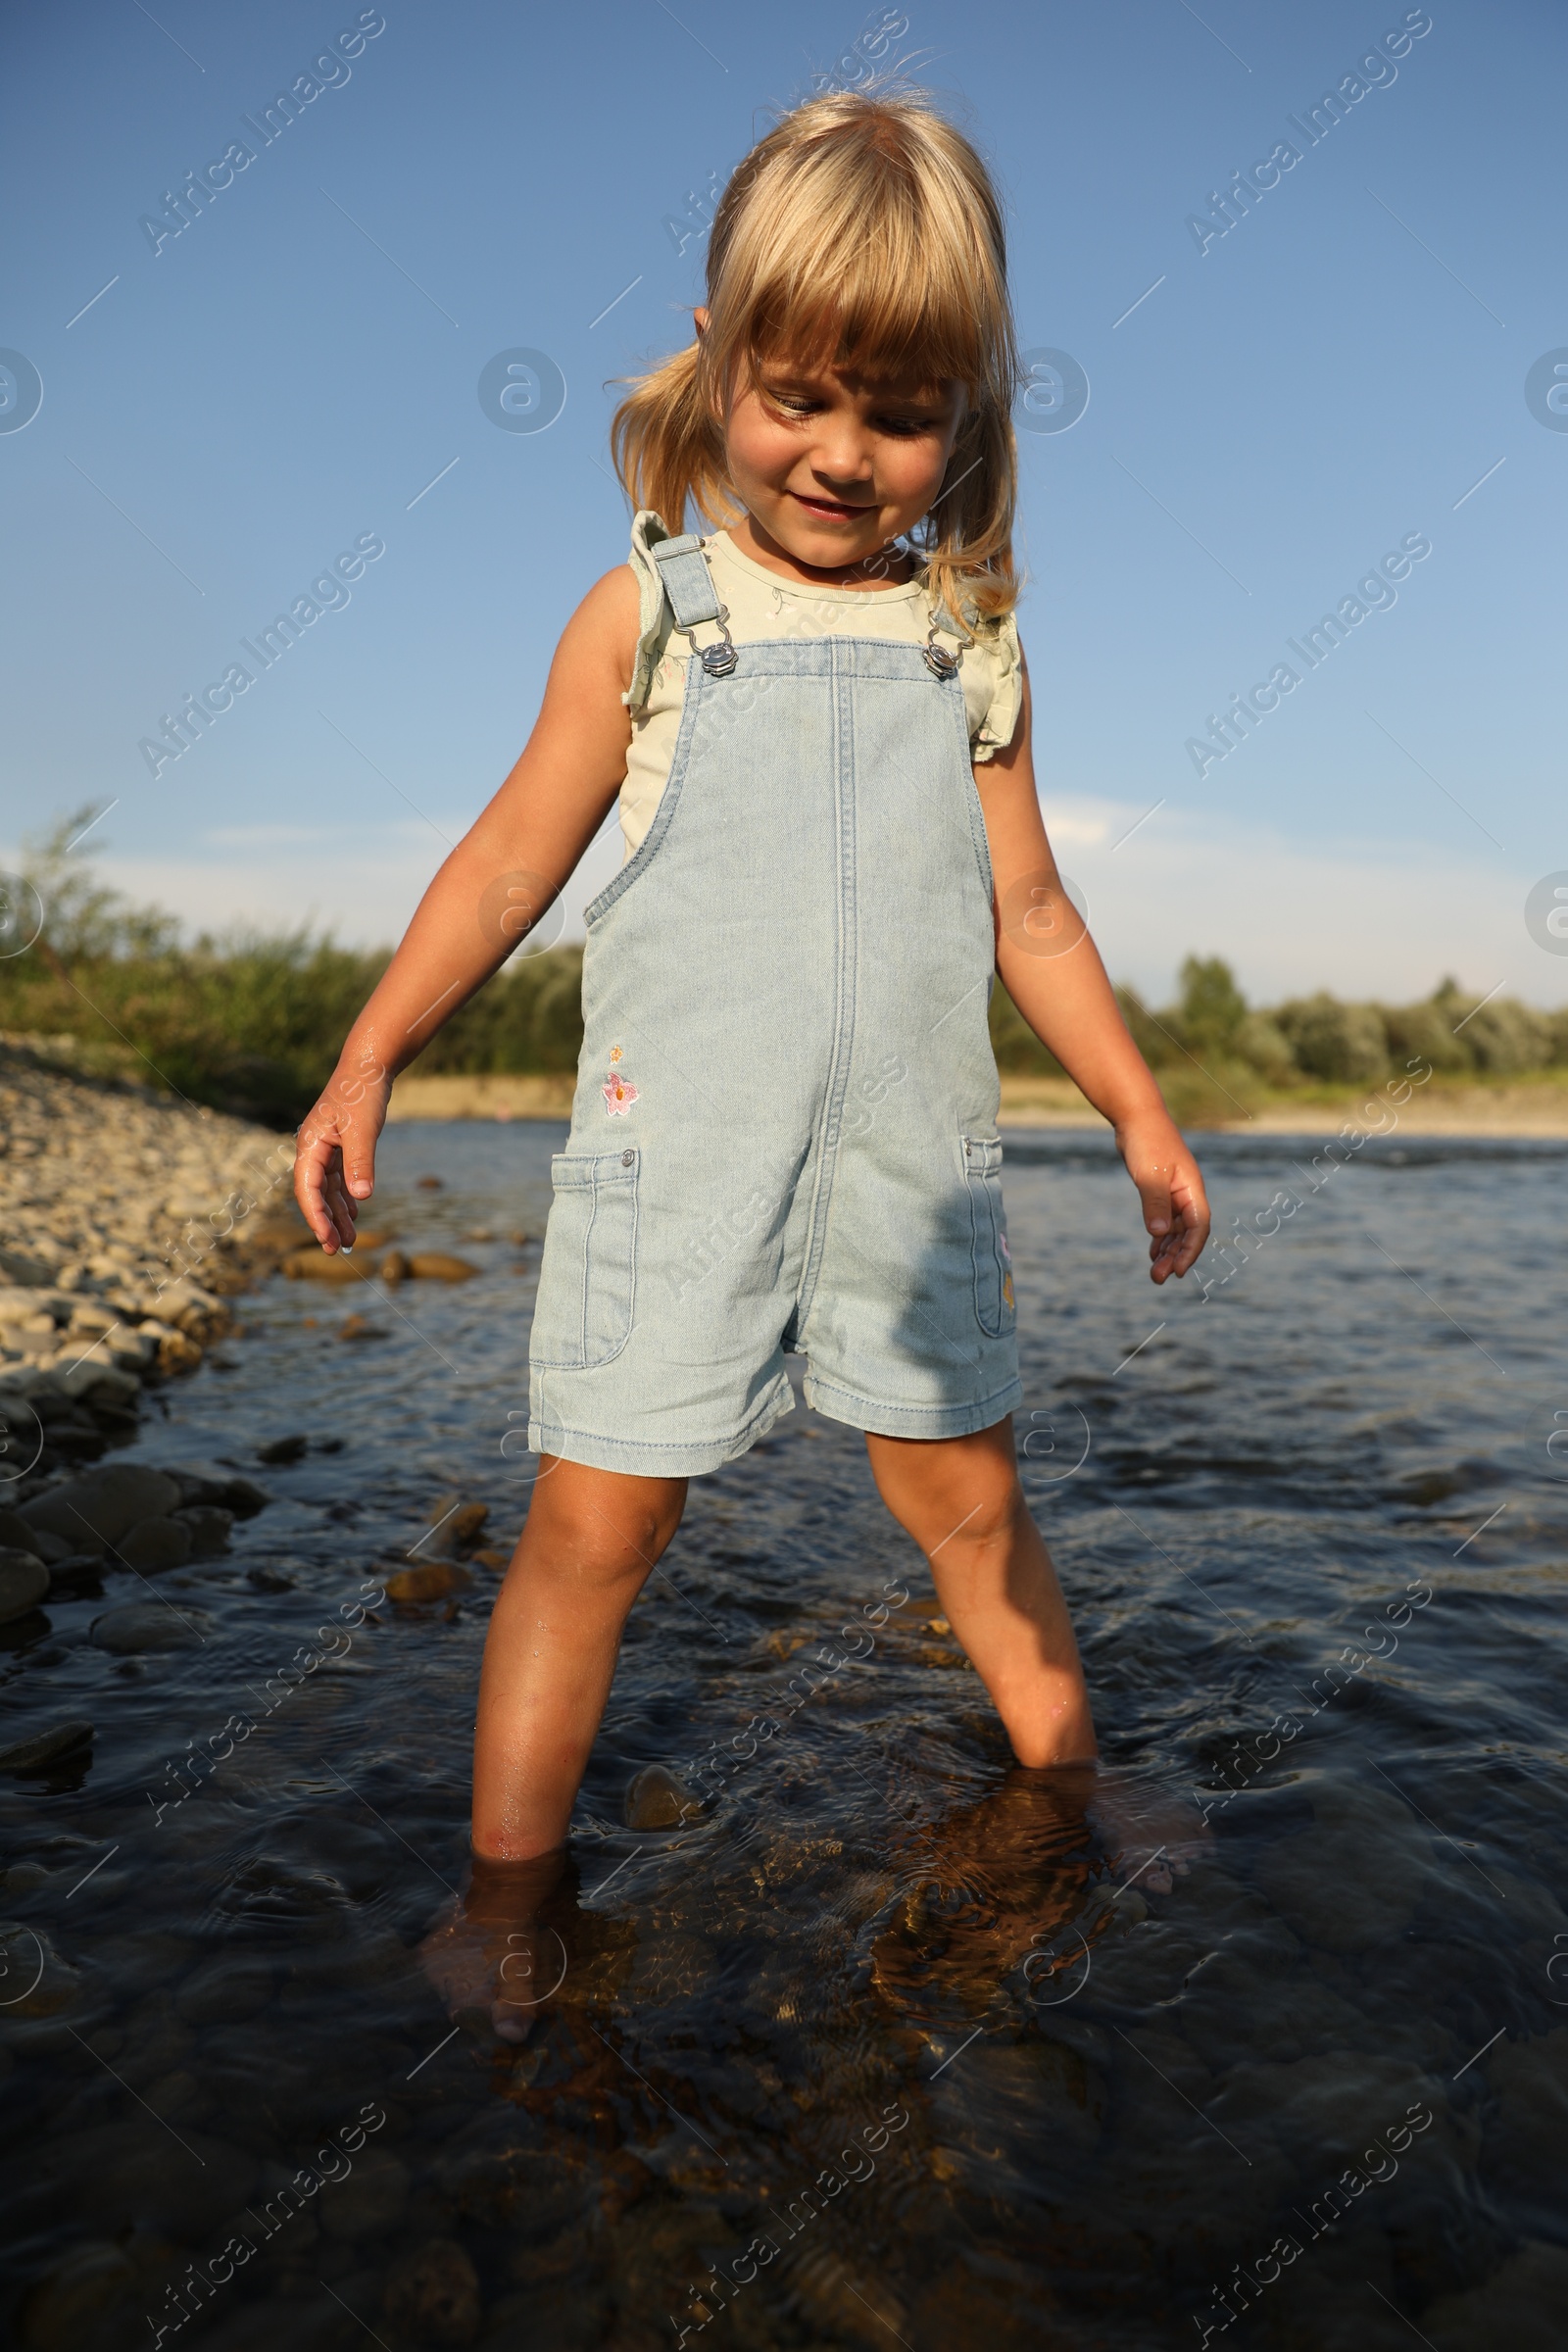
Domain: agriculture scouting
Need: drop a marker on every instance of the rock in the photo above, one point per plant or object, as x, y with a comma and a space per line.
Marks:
429, 1183
1354, 1878
1512, 2311
178, 1353
209, 1529
94, 1382
433, 2293
369, 2200
63, 2311
216, 1483
431, 1580
465, 1525
31, 1272
156, 1544
283, 1450
355, 1327
656, 1800
142, 1625
97, 1509
395, 1267
46, 1748
20, 1534
435, 1265
224, 1991
313, 1265
24, 1583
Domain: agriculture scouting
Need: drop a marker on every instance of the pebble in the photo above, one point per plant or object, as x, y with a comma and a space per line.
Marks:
46, 1747
437, 1266
431, 1580
155, 1545
432, 2293
655, 1799
292, 1448
24, 1583
224, 1991
139, 1626
63, 2311
369, 2200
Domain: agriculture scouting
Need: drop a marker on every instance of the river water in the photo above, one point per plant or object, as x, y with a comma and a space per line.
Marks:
876, 2037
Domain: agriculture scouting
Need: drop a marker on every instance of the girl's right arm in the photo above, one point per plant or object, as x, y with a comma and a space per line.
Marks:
505, 872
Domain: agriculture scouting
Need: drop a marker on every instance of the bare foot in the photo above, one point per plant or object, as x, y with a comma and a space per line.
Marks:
488, 1956
1153, 1835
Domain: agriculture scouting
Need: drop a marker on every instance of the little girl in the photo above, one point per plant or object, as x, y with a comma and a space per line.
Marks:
784, 1136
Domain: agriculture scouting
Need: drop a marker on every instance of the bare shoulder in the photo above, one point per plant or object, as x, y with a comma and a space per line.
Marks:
601, 637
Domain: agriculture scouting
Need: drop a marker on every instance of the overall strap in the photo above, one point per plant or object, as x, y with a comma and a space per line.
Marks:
688, 590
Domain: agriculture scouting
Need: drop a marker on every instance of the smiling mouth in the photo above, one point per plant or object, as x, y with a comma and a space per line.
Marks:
833, 510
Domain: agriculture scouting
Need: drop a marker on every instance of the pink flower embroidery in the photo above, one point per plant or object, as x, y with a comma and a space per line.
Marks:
620, 1096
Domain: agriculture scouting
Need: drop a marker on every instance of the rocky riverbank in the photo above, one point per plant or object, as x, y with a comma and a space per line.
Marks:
127, 1221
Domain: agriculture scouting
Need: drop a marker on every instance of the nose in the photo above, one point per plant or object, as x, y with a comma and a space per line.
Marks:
842, 454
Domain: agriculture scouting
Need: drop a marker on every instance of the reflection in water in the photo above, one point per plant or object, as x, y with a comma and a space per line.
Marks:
861, 2034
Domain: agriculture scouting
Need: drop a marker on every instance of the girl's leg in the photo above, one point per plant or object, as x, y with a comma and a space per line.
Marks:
961, 1500
591, 1539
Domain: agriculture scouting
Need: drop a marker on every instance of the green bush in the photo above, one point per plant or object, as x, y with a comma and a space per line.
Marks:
1346, 1042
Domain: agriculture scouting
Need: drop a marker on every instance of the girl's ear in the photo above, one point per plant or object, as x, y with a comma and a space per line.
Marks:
700, 321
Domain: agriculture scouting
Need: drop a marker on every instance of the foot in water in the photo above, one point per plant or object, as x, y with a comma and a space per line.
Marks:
491, 1959
1152, 1835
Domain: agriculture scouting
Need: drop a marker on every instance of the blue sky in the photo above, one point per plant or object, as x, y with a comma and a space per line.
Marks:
287, 375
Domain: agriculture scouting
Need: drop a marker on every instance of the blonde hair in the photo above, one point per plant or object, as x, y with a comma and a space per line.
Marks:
865, 227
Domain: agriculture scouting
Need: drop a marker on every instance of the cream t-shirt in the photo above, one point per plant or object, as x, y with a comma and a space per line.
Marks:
763, 605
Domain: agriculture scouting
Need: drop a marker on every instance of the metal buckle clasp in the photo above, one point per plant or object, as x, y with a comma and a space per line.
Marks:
717, 660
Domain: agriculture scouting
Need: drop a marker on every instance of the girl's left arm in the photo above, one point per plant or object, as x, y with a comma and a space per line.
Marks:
1052, 970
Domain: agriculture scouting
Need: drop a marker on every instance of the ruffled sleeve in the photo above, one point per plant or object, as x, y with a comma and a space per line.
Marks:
997, 651
652, 615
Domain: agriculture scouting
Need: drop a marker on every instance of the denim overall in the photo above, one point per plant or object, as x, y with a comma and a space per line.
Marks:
784, 1134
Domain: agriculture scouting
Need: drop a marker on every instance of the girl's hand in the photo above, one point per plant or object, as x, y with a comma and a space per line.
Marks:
334, 1159
1171, 1190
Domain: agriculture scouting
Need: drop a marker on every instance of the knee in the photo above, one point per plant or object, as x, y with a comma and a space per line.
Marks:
604, 1539
954, 1513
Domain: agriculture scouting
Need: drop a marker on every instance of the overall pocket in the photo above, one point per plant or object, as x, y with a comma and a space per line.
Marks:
988, 1228
589, 1277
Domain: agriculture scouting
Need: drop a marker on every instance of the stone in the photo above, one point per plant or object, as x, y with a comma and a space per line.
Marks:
218, 1483
656, 1800
356, 1327
433, 2293
1354, 1879
96, 1508
31, 1272
431, 1580
20, 1534
209, 1529
24, 1583
283, 1450
438, 1265
224, 1991
63, 2311
429, 1183
178, 1353
156, 1544
90, 1380
142, 1626
46, 1748
1511, 2312
395, 1267
465, 1525
369, 2200
313, 1265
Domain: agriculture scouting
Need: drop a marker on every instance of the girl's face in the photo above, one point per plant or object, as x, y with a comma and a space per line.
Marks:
831, 465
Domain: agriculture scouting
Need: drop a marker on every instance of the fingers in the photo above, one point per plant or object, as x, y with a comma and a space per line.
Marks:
1180, 1248
1155, 1193
318, 1185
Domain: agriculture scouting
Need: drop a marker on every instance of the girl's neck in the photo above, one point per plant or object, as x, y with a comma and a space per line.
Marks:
888, 568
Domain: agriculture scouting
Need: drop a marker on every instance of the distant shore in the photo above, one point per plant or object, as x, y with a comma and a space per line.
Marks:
1521, 1108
